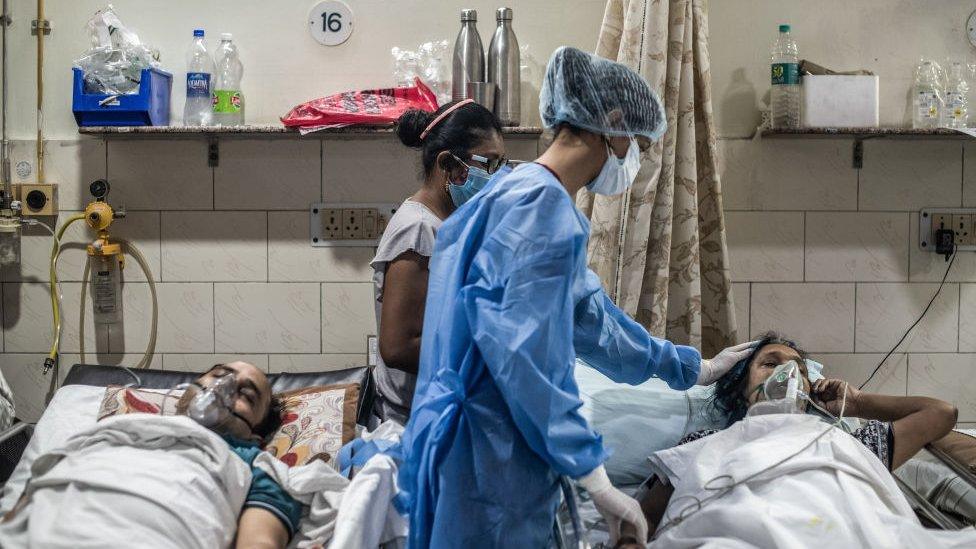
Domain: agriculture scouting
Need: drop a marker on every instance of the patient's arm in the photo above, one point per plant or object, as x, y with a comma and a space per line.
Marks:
654, 497
260, 529
915, 421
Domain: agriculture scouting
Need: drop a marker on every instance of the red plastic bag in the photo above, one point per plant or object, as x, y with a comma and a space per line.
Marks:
369, 107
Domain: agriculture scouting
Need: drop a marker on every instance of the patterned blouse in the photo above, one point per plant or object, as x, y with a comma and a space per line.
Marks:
876, 435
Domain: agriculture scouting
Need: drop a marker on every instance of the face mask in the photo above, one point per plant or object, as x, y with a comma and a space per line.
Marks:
213, 406
476, 180
618, 174
783, 391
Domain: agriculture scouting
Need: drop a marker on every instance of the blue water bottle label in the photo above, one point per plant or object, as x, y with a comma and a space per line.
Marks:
785, 73
198, 84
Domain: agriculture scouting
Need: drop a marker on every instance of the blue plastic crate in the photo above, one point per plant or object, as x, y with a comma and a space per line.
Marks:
149, 107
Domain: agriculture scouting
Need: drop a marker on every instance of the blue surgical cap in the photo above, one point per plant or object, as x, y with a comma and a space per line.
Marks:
600, 96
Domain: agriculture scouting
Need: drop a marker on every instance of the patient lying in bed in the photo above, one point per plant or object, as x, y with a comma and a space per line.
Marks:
787, 479
161, 481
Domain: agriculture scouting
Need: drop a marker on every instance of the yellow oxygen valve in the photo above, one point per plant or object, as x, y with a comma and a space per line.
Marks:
105, 258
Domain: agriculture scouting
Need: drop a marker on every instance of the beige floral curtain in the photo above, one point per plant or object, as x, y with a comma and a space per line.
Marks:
660, 249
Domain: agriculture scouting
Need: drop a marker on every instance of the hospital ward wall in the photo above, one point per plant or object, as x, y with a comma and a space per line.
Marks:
229, 245
827, 253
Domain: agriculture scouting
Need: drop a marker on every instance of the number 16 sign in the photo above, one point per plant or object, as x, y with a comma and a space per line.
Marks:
330, 22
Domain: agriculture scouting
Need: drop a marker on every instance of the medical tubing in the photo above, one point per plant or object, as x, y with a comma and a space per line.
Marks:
55, 301
151, 346
912, 327
720, 491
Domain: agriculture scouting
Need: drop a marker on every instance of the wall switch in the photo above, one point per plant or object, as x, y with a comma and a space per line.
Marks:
352, 224
372, 350
37, 199
370, 223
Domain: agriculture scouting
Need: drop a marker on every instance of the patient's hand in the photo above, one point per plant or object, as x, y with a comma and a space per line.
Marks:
829, 393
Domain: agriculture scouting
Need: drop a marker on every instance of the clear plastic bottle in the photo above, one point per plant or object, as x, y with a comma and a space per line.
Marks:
198, 110
227, 97
956, 112
785, 72
928, 101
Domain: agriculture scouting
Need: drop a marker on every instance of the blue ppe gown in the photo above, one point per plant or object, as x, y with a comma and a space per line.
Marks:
495, 419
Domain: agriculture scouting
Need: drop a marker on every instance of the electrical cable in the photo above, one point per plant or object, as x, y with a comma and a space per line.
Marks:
912, 327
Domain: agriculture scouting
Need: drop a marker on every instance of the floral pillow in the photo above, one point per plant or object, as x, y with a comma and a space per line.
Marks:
315, 423
120, 400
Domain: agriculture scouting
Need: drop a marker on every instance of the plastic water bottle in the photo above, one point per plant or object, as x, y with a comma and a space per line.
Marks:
197, 110
956, 112
228, 99
785, 72
928, 100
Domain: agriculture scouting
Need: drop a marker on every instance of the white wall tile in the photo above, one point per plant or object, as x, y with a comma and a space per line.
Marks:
805, 174
24, 375
818, 316
71, 165
28, 323
910, 174
348, 316
141, 228
741, 293
967, 318
267, 318
215, 246
160, 175
738, 164
280, 174
931, 267
886, 311
314, 363
369, 170
765, 246
891, 379
292, 258
185, 322
947, 377
203, 362
848, 247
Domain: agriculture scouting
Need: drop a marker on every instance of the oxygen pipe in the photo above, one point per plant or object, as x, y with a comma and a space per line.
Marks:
52, 357
4, 141
41, 27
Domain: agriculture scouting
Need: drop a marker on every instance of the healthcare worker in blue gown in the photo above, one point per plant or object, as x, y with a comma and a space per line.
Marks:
510, 305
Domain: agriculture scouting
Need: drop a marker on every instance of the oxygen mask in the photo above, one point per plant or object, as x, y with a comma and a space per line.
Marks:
783, 392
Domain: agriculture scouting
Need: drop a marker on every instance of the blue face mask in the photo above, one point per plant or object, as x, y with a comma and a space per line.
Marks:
476, 180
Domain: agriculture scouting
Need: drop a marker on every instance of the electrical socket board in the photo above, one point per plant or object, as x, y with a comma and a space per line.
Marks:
352, 224
960, 220
37, 199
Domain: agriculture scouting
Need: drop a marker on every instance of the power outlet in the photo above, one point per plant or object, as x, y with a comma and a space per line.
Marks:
962, 225
37, 199
331, 224
352, 224
941, 221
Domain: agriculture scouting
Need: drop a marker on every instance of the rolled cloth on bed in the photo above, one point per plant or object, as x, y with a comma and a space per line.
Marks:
159, 481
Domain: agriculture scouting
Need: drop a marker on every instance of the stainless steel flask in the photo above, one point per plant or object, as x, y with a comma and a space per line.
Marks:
469, 56
504, 67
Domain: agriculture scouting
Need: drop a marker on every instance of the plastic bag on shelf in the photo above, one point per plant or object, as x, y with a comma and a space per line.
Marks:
430, 62
114, 62
380, 107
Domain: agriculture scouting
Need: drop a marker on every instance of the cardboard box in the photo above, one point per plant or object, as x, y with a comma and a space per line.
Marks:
840, 101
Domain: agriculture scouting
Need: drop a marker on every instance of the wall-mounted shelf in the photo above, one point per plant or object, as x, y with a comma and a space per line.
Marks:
860, 134
260, 132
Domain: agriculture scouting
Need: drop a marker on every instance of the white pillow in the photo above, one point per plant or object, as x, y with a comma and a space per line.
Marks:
73, 409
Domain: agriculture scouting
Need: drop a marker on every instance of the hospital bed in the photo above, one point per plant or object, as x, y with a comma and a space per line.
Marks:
14, 440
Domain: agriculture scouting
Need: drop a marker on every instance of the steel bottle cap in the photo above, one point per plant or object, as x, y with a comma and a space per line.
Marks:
503, 14
469, 15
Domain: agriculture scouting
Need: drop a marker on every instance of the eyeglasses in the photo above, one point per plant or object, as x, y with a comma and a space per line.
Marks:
492, 165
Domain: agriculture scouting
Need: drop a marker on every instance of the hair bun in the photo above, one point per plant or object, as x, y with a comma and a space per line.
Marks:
411, 124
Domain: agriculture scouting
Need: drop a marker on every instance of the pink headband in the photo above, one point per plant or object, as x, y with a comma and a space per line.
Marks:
443, 115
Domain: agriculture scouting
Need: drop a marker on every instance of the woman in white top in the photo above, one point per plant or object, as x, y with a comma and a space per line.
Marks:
460, 145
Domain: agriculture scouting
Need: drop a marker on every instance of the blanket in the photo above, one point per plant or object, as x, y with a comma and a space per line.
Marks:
787, 481
162, 481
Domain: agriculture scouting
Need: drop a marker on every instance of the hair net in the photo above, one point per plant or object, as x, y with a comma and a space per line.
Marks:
598, 95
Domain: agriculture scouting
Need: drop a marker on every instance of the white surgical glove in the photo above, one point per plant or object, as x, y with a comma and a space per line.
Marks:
715, 368
615, 506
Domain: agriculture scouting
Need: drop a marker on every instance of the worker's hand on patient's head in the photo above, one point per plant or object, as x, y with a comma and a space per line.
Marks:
717, 367
829, 394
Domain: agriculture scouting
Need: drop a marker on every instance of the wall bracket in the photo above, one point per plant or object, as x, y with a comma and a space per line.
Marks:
42, 25
213, 153
858, 159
